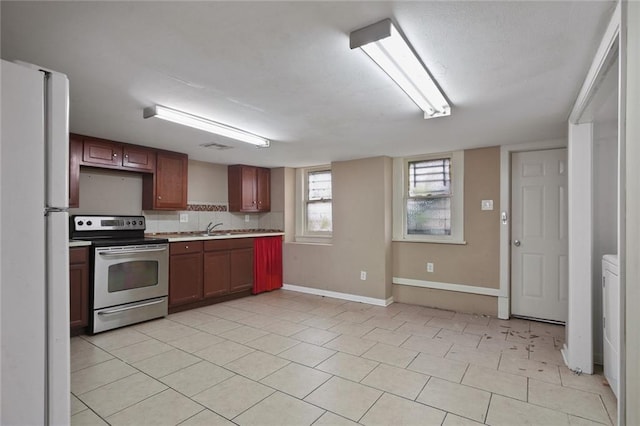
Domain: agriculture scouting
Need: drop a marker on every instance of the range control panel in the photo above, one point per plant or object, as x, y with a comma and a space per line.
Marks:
108, 223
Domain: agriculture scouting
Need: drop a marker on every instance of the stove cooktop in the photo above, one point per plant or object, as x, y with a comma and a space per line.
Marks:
107, 242
104, 231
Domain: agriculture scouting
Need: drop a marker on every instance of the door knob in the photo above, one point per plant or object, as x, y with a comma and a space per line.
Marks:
516, 243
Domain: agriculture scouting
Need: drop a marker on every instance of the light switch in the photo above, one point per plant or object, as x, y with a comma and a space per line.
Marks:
184, 217
487, 205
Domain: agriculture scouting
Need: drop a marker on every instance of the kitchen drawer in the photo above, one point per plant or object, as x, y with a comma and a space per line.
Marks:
240, 243
78, 255
215, 245
228, 244
185, 247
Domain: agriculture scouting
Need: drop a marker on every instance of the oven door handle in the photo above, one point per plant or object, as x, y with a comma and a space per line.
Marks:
124, 252
127, 308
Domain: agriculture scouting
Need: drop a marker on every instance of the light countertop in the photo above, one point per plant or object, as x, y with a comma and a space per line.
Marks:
78, 243
189, 236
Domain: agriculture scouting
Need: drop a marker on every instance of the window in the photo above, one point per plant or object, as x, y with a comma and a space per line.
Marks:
429, 197
314, 221
428, 202
318, 201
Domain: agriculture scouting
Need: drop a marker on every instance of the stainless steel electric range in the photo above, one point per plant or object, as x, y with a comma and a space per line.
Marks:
129, 272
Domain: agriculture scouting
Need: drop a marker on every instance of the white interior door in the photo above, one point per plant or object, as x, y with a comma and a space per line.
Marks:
539, 262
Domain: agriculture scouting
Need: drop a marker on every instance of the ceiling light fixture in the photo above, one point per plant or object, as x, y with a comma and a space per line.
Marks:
387, 47
205, 124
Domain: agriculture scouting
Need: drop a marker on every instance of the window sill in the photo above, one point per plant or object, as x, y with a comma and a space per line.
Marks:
319, 240
429, 241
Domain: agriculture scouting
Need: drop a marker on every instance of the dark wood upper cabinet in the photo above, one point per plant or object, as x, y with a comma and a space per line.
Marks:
166, 189
75, 158
164, 173
101, 152
263, 189
249, 189
104, 153
138, 158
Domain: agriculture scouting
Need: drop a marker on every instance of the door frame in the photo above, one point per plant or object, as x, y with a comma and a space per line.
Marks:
504, 297
578, 349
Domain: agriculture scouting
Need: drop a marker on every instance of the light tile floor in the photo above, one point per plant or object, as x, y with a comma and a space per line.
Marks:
286, 358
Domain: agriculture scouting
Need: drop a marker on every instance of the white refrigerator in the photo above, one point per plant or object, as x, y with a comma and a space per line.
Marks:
34, 249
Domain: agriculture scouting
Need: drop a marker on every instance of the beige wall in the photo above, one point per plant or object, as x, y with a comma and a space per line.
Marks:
362, 222
283, 198
477, 263
104, 191
207, 183
361, 234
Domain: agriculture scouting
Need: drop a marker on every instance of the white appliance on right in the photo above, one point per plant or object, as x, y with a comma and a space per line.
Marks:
611, 320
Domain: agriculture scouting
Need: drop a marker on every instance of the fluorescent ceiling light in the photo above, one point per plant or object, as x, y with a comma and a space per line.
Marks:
205, 124
388, 48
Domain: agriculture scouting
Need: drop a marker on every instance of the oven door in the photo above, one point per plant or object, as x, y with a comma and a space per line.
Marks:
126, 274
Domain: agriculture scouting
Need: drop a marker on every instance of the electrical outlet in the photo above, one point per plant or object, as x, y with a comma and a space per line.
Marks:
429, 267
184, 217
247, 218
363, 275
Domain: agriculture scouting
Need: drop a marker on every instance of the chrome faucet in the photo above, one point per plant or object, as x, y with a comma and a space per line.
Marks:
211, 227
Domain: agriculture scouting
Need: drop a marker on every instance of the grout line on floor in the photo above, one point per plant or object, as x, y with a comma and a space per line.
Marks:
486, 413
371, 406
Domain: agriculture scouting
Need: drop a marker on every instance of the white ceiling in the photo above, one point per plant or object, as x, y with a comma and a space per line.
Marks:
284, 70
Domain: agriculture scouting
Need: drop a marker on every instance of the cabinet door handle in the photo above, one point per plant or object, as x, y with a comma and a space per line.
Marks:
115, 155
159, 197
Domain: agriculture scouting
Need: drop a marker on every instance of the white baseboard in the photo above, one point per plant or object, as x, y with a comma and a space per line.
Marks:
461, 288
504, 308
336, 295
565, 355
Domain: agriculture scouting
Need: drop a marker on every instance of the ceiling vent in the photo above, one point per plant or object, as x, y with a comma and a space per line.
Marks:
216, 145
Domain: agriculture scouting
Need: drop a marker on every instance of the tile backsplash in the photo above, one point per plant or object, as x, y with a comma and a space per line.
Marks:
169, 221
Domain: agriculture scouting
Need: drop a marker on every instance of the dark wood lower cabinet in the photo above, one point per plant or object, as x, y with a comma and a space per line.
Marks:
78, 287
225, 271
216, 273
185, 273
241, 265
